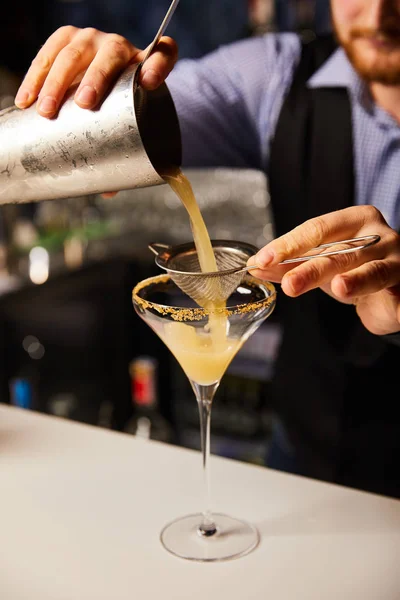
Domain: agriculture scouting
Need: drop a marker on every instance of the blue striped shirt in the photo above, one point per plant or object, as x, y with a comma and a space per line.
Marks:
229, 102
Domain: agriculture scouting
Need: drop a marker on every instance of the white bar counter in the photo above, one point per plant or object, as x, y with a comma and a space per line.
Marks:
81, 510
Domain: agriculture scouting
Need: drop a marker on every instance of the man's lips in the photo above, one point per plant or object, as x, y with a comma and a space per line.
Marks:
380, 40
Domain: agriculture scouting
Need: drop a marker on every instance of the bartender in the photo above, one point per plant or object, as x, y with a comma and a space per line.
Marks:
323, 120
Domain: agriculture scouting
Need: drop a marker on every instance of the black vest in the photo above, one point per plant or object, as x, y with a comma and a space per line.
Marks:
333, 379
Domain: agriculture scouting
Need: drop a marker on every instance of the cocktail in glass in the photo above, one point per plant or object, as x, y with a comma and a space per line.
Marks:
204, 341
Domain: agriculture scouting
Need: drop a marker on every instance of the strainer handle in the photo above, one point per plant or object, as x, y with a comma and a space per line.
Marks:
369, 240
158, 248
158, 36
161, 30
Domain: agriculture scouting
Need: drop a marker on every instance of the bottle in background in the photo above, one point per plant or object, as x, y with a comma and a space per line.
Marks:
21, 392
146, 422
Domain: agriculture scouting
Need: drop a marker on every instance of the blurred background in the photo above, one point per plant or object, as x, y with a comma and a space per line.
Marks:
70, 342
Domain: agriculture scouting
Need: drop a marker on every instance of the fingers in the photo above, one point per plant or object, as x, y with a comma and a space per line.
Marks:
380, 312
297, 278
346, 275
159, 65
41, 65
274, 274
65, 55
367, 279
100, 57
113, 55
327, 228
320, 271
72, 60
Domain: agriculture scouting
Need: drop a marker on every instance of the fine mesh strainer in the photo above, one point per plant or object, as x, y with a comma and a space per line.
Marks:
182, 264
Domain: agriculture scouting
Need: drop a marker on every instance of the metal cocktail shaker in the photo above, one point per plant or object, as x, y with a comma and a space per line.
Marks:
125, 143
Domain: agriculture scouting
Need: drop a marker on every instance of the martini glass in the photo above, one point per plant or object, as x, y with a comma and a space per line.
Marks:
204, 341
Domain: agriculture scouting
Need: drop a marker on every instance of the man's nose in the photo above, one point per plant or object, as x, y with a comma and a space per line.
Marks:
373, 13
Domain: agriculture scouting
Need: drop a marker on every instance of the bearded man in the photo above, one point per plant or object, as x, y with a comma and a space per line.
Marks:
323, 121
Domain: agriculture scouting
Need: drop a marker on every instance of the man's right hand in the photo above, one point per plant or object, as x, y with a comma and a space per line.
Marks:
95, 59
369, 279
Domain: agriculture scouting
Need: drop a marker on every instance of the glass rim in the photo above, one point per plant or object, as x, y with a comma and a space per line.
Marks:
197, 312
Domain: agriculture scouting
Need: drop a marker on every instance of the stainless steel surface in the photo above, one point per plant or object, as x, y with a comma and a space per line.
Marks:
182, 263
369, 240
161, 30
121, 145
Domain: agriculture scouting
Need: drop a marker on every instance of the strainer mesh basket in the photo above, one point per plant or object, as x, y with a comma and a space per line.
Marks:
182, 264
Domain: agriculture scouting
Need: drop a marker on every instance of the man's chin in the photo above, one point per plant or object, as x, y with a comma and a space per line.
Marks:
374, 61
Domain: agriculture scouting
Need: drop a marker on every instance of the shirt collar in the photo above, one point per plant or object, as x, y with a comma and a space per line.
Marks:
337, 71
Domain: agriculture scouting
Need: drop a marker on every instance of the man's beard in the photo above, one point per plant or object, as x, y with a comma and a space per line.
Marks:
384, 66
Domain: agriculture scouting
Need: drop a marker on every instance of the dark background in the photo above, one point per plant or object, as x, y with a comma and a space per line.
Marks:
66, 343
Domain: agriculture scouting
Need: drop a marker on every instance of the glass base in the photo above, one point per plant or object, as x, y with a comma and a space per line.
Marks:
233, 538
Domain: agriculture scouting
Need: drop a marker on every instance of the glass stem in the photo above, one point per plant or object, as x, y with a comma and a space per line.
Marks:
204, 396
